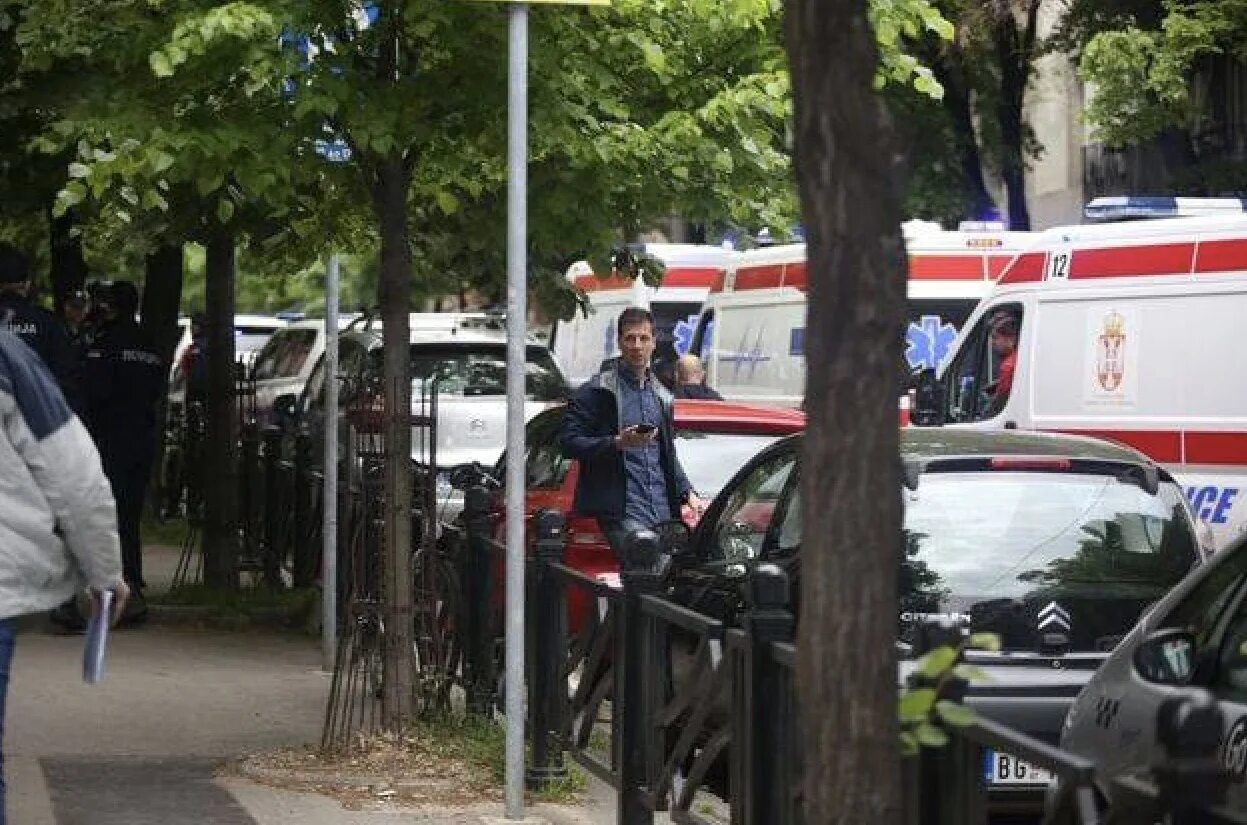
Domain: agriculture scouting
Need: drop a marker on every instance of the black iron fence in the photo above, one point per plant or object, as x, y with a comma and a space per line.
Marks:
684, 715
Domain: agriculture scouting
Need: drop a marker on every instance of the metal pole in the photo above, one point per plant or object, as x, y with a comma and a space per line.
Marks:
517, 328
329, 508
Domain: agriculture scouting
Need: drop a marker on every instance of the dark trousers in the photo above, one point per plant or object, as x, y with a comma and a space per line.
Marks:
128, 472
8, 637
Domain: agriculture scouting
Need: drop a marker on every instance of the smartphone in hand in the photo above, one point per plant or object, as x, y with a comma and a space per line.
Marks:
644, 429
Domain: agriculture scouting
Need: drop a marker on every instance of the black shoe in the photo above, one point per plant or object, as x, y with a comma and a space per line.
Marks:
68, 617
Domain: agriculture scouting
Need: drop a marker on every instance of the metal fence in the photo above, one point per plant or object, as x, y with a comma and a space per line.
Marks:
681, 714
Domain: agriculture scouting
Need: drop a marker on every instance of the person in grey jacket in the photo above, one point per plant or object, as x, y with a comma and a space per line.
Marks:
58, 521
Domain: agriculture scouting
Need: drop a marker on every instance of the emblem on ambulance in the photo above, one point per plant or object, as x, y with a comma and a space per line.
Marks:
1111, 352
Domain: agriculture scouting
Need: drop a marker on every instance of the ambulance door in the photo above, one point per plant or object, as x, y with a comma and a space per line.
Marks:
759, 348
933, 327
984, 382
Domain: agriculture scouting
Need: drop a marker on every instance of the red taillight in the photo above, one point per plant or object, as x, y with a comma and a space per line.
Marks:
1030, 463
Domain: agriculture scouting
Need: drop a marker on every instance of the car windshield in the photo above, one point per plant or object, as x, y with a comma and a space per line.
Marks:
994, 545
481, 369
711, 459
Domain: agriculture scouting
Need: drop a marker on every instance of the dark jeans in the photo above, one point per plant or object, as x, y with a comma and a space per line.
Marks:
8, 637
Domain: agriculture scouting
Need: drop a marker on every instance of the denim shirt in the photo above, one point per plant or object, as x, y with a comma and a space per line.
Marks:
645, 498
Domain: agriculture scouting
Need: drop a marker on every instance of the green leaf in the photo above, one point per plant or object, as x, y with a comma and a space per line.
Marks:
955, 713
161, 65
158, 160
447, 202
79, 170
971, 673
914, 705
930, 736
985, 641
909, 744
224, 210
937, 662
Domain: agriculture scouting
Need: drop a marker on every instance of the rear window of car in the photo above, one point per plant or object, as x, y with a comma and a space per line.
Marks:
998, 543
711, 459
480, 370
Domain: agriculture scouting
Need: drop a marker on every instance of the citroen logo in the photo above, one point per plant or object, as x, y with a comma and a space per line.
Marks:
1052, 615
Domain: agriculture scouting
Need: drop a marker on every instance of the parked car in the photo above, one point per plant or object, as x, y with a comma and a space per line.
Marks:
285, 362
713, 439
463, 356
1056, 543
1195, 637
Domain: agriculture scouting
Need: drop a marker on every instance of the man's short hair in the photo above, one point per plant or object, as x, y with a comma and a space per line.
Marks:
1004, 322
634, 317
14, 265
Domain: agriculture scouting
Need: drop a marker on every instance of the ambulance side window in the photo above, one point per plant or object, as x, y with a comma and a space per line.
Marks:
703, 338
979, 380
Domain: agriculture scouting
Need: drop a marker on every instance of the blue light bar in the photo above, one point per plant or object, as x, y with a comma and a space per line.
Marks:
1135, 207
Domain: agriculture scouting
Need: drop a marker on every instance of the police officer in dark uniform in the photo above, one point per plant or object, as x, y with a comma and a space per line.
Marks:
38, 328
123, 380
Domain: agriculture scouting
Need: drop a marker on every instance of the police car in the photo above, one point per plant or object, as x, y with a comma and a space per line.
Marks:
1194, 637
1055, 543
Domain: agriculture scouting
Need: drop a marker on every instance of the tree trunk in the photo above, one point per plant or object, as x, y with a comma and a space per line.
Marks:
850, 197
162, 295
68, 267
957, 105
220, 536
394, 295
1014, 53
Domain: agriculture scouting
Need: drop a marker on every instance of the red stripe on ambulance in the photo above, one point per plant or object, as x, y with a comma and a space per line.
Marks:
1133, 261
946, 267
1221, 256
1027, 268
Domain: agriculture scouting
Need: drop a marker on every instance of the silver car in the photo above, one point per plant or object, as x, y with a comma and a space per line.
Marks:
1196, 636
466, 354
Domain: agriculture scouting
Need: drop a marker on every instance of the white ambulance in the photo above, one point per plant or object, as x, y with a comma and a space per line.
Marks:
583, 343
1126, 331
751, 334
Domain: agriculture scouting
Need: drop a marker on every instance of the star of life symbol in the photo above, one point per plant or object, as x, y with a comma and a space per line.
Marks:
928, 342
1052, 615
682, 334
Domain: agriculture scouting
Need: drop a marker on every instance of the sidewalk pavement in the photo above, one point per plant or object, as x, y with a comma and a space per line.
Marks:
147, 745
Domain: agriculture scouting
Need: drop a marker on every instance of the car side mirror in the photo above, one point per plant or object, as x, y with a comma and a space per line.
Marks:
284, 406
1166, 657
927, 409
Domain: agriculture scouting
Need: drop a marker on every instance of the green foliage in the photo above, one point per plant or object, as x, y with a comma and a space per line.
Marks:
923, 709
1142, 76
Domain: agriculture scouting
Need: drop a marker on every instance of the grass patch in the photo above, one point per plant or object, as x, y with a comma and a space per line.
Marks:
482, 743
171, 533
252, 609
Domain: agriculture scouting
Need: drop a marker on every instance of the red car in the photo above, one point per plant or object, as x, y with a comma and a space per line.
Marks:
713, 439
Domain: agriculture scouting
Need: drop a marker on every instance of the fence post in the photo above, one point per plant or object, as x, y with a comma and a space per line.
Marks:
548, 688
302, 557
1191, 778
249, 459
642, 575
478, 574
274, 504
759, 796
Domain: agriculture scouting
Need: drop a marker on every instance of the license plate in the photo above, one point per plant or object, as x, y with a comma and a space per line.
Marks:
1006, 769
